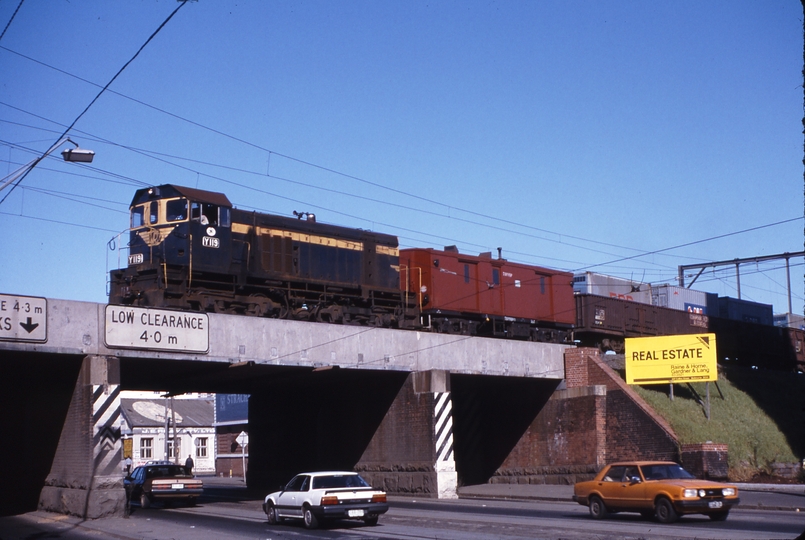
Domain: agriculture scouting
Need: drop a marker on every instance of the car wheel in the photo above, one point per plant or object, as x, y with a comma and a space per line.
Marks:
370, 520
719, 516
271, 514
665, 511
145, 500
311, 521
597, 508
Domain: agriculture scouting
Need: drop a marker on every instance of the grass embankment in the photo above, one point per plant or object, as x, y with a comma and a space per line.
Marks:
760, 417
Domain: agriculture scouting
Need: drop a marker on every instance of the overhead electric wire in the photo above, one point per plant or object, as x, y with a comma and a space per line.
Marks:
11, 19
160, 155
155, 155
375, 184
327, 169
66, 131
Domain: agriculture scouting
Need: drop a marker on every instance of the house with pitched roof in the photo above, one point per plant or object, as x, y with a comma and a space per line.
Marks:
169, 429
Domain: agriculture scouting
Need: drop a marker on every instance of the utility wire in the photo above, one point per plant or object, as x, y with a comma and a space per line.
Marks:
374, 184
11, 19
690, 243
316, 166
66, 131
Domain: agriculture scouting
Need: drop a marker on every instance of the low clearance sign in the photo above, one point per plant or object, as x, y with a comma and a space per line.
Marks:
671, 359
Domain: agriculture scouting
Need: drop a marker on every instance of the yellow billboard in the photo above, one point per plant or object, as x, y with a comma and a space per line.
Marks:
671, 359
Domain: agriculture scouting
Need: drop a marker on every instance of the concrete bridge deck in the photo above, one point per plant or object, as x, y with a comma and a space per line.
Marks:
83, 328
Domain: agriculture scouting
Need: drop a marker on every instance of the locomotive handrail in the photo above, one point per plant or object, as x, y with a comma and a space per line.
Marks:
112, 244
407, 281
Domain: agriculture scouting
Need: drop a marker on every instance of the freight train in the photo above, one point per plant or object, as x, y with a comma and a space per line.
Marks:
191, 249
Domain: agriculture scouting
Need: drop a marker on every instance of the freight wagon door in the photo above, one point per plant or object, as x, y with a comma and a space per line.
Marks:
458, 289
491, 292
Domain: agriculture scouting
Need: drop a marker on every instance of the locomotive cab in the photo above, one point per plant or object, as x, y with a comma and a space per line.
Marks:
176, 234
172, 225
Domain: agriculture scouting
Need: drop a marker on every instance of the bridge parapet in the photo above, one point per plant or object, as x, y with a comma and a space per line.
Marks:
94, 329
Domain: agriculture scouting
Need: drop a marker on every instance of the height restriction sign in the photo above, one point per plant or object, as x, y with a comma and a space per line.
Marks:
671, 359
23, 318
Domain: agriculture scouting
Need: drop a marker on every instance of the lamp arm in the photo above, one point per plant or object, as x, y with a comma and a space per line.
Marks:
25, 169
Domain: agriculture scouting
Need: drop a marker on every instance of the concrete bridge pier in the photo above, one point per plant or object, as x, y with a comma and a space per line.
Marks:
86, 478
412, 451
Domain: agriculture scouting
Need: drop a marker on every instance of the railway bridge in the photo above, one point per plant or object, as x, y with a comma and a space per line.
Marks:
414, 412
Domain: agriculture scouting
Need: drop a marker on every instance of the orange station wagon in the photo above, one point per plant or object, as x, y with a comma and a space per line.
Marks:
654, 488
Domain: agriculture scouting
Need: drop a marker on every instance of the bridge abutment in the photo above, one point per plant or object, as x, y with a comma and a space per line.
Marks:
85, 478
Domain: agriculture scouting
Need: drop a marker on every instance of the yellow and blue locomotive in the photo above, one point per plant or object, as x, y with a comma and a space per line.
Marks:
190, 249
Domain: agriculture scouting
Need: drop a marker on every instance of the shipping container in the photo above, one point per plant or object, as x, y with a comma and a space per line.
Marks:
682, 299
790, 320
759, 345
612, 287
744, 310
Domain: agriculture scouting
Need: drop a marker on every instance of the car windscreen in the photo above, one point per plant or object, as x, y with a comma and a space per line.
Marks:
665, 472
338, 481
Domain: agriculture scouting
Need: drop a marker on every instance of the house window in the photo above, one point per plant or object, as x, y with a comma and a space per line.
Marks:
201, 447
146, 448
178, 451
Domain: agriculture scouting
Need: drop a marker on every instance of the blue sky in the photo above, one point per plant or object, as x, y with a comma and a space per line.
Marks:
575, 135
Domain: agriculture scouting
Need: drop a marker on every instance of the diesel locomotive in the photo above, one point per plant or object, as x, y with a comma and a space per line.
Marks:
190, 249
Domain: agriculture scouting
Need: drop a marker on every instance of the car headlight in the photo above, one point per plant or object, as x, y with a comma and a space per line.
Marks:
728, 492
690, 493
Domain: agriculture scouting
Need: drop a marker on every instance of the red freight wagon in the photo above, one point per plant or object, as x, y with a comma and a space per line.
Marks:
479, 295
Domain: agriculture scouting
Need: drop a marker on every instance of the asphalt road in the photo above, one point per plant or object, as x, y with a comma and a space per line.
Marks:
230, 511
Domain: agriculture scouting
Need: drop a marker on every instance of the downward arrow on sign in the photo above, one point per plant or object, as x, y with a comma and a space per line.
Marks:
29, 326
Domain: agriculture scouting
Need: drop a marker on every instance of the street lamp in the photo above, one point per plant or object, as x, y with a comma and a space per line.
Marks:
75, 155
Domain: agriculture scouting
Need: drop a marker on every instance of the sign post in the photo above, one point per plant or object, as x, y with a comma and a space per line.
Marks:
243, 440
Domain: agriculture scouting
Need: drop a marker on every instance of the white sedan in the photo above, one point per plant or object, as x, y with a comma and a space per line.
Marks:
315, 496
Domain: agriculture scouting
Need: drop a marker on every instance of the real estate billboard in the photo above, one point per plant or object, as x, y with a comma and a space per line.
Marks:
671, 359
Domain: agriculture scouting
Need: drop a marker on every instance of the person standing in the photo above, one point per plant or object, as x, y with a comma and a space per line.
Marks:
188, 464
